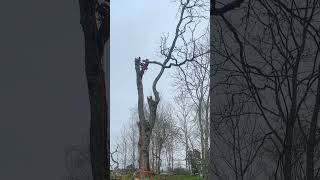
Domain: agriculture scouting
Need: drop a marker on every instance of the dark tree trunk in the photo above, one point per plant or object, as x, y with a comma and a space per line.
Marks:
95, 39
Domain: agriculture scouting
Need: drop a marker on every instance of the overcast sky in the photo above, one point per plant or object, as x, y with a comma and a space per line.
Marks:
136, 29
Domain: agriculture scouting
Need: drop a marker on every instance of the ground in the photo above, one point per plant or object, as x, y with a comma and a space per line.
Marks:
167, 177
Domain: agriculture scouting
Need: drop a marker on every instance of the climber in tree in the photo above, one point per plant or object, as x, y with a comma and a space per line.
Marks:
144, 66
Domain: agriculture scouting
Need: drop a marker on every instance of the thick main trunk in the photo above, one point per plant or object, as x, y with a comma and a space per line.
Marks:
95, 39
99, 111
145, 127
143, 147
144, 133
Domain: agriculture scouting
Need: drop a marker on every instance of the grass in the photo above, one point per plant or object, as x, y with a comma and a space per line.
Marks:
178, 177
166, 177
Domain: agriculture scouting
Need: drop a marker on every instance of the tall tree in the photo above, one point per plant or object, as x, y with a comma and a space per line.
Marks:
193, 80
133, 137
179, 52
163, 132
95, 22
183, 115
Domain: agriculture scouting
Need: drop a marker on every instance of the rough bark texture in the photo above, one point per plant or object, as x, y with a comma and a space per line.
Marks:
145, 126
95, 39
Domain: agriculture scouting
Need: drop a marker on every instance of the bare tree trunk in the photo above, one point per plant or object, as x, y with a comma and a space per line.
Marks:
145, 127
125, 154
153, 155
202, 138
95, 38
186, 139
133, 147
159, 158
187, 16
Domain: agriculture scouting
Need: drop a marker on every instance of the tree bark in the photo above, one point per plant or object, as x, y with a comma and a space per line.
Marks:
144, 125
95, 39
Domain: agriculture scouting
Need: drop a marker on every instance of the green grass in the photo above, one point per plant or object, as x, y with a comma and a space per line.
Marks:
178, 177
167, 177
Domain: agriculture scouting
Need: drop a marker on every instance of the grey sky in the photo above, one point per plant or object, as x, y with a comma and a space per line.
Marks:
136, 29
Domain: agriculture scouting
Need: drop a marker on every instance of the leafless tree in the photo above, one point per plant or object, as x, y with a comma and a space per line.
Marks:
193, 81
95, 21
113, 159
123, 147
164, 129
133, 140
267, 53
174, 55
183, 113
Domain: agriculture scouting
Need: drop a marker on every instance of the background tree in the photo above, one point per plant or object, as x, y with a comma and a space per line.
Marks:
124, 143
194, 157
183, 113
163, 130
271, 61
133, 140
192, 81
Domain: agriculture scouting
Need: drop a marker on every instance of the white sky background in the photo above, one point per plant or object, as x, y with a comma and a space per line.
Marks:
136, 30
